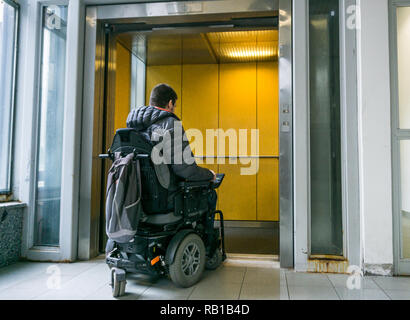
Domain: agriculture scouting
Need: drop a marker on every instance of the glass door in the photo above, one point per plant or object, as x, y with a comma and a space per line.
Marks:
50, 129
400, 20
325, 129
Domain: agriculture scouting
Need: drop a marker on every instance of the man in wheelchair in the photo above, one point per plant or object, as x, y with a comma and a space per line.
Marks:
160, 204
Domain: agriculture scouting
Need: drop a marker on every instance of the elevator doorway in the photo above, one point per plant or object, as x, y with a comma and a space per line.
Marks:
225, 69
228, 102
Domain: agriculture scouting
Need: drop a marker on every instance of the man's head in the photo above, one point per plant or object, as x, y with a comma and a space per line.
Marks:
163, 96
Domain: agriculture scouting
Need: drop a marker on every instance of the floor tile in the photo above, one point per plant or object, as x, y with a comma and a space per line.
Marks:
103, 293
139, 282
134, 288
21, 294
207, 291
223, 275
393, 283
73, 268
282, 274
398, 294
284, 293
262, 276
166, 293
307, 279
363, 294
82, 285
258, 291
340, 281
16, 273
313, 293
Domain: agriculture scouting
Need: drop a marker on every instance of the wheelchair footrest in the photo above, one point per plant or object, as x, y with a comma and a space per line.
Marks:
120, 263
139, 265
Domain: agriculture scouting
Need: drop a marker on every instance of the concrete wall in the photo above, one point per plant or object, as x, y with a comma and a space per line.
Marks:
375, 136
374, 127
11, 225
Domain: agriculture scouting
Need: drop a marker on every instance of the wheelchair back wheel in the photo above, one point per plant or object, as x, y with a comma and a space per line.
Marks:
189, 262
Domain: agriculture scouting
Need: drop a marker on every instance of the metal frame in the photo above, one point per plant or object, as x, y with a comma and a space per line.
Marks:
348, 119
301, 141
66, 251
93, 99
164, 9
37, 253
88, 224
401, 266
16, 7
286, 125
349, 135
350, 139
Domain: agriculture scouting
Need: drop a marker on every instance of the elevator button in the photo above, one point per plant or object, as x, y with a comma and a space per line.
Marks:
285, 126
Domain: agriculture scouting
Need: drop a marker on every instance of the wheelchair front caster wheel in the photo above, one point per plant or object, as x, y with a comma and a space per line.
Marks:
215, 261
189, 262
118, 282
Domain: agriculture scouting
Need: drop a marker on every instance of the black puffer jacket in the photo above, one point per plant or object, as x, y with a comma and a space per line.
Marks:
154, 124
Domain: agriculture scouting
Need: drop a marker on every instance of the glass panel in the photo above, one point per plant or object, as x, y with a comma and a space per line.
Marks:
325, 140
405, 197
51, 113
7, 51
403, 47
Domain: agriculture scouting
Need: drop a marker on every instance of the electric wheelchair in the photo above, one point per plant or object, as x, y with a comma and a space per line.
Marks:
179, 242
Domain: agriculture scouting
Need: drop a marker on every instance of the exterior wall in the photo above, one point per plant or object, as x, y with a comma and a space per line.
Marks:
374, 128
374, 140
11, 225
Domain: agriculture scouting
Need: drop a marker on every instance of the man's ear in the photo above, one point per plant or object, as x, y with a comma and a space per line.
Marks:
170, 105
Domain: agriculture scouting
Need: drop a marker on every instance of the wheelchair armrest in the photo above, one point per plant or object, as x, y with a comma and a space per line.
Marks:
196, 184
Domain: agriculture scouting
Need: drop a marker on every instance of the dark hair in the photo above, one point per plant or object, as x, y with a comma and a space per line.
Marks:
161, 95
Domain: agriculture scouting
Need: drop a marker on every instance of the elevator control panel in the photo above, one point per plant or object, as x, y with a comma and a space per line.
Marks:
285, 118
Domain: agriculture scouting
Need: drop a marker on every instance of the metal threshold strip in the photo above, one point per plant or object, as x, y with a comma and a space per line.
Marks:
252, 261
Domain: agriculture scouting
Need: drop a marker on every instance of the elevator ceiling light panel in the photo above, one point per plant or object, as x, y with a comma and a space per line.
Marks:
161, 48
244, 46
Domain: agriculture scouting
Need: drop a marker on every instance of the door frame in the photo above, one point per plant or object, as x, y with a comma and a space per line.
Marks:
93, 102
349, 143
400, 266
286, 135
32, 30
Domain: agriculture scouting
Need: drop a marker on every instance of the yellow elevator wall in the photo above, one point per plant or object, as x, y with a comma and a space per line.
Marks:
232, 96
200, 101
171, 75
122, 87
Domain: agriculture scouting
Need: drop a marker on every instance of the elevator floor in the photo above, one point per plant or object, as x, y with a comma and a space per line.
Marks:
262, 240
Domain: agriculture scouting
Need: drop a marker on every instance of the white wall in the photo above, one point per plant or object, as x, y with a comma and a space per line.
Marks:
375, 133
301, 135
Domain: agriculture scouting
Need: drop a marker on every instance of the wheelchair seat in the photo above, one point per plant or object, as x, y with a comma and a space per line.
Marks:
162, 219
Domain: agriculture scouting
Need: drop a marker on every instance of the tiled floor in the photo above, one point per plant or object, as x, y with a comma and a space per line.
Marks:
234, 280
90, 280
307, 286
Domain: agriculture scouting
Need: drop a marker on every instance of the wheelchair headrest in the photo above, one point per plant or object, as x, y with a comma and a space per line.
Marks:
128, 140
